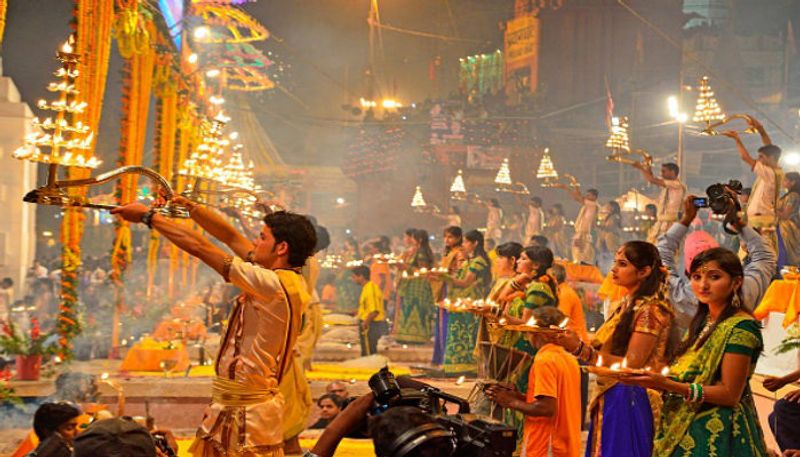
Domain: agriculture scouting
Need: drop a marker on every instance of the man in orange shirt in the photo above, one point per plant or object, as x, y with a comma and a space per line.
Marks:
552, 404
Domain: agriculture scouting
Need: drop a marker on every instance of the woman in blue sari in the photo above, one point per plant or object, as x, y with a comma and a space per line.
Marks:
470, 282
636, 331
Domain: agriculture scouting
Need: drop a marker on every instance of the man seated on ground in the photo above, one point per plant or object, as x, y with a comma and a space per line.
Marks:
56, 425
371, 314
552, 405
337, 388
330, 405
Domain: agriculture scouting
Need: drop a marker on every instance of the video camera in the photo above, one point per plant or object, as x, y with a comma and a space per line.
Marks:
471, 435
722, 203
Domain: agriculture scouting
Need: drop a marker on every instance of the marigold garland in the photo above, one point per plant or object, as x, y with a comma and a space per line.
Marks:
93, 42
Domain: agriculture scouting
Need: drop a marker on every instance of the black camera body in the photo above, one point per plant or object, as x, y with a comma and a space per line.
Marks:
722, 203
473, 436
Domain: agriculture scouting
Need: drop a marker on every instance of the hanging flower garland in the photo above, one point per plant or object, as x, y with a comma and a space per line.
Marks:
3, 9
164, 151
92, 25
131, 28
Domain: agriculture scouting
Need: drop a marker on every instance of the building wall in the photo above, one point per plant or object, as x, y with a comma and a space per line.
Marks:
17, 177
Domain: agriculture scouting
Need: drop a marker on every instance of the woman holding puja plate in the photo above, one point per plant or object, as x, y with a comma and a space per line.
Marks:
708, 405
471, 282
636, 335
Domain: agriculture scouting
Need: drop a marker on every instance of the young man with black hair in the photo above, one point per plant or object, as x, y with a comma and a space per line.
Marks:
766, 189
246, 414
56, 425
670, 199
371, 314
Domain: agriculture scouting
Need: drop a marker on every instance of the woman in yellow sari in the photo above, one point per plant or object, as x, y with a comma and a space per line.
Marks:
636, 331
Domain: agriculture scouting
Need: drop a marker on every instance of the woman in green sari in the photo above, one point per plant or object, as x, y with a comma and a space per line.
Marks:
530, 289
471, 281
415, 314
708, 406
504, 268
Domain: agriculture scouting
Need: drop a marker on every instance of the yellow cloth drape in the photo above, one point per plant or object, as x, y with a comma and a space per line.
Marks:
782, 296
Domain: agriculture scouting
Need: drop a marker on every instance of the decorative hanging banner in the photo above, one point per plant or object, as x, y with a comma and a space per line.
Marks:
522, 54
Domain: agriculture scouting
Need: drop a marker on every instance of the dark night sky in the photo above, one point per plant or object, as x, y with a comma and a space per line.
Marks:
324, 41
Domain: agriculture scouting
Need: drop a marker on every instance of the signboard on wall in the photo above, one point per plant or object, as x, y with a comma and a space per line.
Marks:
522, 53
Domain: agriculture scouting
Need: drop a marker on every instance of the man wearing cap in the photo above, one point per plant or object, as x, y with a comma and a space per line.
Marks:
245, 417
56, 425
757, 273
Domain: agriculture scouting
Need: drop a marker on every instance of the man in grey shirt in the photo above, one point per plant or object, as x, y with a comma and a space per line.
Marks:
757, 273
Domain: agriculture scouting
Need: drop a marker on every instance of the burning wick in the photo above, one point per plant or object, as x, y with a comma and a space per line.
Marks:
352, 380
615, 366
624, 362
349, 346
57, 359
599, 360
460, 380
531, 322
502, 321
405, 346
563, 323
104, 376
665, 371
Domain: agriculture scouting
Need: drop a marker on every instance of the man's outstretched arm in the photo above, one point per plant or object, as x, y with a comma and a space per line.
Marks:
186, 239
213, 223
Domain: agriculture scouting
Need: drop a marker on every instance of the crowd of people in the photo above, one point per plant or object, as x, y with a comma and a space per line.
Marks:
680, 337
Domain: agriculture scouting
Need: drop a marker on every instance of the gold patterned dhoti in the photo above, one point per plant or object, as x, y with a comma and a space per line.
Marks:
240, 415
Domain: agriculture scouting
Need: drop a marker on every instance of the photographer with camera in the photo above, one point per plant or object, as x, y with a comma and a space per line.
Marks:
412, 421
404, 431
757, 273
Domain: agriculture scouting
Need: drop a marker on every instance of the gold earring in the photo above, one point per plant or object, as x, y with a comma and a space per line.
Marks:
736, 302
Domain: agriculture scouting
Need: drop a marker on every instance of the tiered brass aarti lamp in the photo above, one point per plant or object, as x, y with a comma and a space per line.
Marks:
68, 142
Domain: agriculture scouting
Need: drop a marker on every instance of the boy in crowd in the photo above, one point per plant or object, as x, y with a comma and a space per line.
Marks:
371, 314
552, 405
